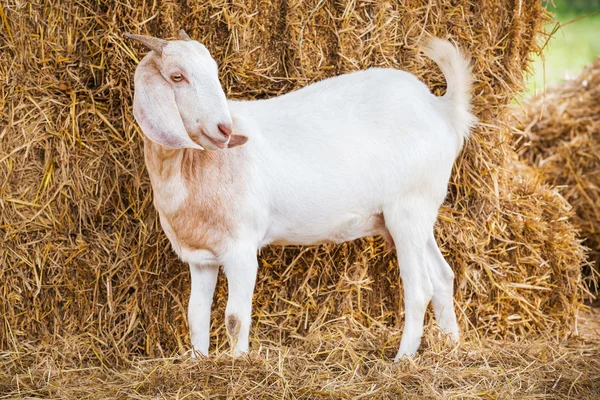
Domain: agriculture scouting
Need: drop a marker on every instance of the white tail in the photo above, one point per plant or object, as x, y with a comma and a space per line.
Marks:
459, 81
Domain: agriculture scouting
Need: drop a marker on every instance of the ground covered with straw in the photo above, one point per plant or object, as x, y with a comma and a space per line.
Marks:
93, 301
338, 364
560, 136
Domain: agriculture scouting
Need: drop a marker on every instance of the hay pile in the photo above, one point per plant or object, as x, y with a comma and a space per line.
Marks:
82, 250
561, 137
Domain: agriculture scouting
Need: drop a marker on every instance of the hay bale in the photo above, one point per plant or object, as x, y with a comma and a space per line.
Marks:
82, 247
560, 135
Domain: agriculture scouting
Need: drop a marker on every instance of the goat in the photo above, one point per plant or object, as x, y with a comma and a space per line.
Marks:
362, 154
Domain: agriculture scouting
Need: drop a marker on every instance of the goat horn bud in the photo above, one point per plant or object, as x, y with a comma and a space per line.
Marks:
183, 36
154, 44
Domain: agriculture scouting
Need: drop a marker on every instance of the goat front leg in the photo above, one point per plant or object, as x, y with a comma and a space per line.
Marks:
240, 267
204, 280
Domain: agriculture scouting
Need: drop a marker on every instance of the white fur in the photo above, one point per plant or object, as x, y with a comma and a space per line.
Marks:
326, 163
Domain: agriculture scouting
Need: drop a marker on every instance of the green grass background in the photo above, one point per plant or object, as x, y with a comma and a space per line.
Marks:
574, 45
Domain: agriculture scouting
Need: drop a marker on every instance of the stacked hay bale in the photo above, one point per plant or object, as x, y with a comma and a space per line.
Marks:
561, 138
82, 247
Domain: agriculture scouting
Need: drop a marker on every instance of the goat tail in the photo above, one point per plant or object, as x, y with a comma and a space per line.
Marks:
459, 81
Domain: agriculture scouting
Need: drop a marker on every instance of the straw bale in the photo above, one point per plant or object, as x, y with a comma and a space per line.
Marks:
560, 135
82, 250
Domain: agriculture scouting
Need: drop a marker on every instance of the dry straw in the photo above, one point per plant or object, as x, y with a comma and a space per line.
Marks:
82, 251
560, 135
337, 365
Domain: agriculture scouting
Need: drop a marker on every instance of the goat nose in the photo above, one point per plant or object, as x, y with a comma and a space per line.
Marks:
225, 130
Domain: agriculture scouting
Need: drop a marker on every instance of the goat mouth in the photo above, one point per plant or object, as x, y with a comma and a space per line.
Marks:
220, 145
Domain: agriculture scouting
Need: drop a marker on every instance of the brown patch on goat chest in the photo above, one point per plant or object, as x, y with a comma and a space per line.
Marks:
204, 216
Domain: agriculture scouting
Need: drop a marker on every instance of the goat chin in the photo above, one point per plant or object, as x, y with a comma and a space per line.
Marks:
363, 154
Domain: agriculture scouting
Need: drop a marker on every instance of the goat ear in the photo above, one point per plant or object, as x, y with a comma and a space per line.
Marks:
156, 111
237, 140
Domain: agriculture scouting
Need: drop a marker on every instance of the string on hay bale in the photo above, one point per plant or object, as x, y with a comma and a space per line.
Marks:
560, 135
82, 247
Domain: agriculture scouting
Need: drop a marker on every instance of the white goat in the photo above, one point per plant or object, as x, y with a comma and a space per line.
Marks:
362, 154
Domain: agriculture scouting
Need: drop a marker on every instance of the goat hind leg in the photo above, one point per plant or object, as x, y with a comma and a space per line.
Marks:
409, 228
442, 279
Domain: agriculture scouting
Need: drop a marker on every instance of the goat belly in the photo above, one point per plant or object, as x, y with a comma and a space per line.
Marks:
351, 227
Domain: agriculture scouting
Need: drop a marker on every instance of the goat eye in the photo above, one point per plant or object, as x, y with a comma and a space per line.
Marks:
177, 77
